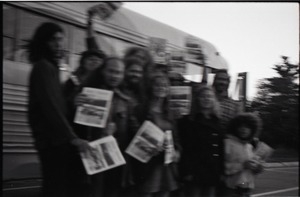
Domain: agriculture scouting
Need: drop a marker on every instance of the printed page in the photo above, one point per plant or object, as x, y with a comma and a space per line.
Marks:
105, 9
96, 109
180, 99
177, 63
106, 155
194, 52
157, 48
146, 142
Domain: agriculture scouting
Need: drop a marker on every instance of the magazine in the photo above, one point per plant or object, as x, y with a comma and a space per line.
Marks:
180, 99
157, 48
96, 109
177, 63
194, 53
147, 141
105, 9
106, 155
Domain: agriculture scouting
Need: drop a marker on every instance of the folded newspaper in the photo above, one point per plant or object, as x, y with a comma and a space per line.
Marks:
105, 9
263, 151
96, 109
194, 53
157, 48
180, 99
146, 142
177, 63
170, 150
106, 155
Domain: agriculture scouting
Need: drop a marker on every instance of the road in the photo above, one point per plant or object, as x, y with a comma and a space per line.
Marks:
280, 181
274, 182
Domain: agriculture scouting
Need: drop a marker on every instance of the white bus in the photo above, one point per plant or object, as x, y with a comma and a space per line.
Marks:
20, 19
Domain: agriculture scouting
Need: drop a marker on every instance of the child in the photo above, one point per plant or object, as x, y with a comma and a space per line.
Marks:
241, 163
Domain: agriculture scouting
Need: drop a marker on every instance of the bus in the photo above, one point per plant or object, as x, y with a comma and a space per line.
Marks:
123, 29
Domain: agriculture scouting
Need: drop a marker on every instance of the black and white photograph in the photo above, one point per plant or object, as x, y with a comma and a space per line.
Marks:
150, 98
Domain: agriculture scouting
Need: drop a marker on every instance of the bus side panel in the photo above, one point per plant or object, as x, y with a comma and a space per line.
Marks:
20, 159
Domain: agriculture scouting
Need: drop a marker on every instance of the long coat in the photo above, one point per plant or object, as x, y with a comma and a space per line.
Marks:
202, 149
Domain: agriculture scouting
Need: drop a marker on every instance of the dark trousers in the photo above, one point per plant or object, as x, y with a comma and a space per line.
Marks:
237, 192
64, 175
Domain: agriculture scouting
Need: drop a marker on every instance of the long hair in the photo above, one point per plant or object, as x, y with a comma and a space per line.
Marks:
96, 78
131, 51
149, 97
140, 89
37, 47
81, 70
198, 91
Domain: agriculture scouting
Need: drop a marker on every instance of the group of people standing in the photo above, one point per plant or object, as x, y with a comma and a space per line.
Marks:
213, 150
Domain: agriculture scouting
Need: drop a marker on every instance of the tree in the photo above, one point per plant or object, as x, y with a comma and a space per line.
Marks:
277, 102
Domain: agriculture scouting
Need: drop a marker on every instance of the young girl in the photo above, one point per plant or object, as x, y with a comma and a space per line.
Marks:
156, 179
202, 160
241, 164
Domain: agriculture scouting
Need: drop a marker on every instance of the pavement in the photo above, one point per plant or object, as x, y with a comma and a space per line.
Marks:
281, 164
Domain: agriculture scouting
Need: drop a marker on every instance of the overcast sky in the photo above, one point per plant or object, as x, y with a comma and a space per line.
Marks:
250, 36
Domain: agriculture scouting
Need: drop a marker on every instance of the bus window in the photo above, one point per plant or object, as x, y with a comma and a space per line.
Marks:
8, 44
28, 24
9, 24
78, 40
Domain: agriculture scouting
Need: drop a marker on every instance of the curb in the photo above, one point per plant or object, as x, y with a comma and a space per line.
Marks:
281, 164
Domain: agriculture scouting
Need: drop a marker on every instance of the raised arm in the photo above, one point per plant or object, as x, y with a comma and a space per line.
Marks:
91, 39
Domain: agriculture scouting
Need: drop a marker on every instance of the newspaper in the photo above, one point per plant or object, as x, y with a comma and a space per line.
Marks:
105, 9
263, 151
157, 48
180, 99
106, 155
146, 142
194, 52
170, 150
96, 109
177, 63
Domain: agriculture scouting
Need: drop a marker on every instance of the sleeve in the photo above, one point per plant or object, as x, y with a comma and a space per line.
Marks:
49, 94
176, 139
231, 166
70, 91
186, 161
91, 43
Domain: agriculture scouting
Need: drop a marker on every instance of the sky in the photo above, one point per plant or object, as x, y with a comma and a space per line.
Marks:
251, 37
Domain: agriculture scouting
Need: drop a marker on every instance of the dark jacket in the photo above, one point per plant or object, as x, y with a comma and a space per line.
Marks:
202, 149
47, 111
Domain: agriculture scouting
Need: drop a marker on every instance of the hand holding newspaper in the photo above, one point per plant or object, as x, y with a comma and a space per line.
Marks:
105, 9
147, 141
95, 109
104, 156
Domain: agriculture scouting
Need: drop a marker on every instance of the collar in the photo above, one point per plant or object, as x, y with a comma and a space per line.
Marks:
234, 138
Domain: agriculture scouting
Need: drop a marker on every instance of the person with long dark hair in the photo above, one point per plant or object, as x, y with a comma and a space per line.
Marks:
109, 76
202, 145
54, 137
155, 178
89, 61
